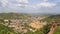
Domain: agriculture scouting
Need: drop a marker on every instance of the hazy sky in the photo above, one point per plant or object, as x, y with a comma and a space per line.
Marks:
30, 6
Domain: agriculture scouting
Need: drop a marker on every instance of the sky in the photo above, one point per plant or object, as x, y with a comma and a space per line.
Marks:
30, 6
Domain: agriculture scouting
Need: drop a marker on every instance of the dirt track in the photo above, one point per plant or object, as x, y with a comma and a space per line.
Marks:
52, 30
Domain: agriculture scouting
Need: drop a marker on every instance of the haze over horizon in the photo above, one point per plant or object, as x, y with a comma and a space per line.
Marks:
30, 6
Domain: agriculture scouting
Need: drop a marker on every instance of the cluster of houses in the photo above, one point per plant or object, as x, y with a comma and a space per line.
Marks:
18, 25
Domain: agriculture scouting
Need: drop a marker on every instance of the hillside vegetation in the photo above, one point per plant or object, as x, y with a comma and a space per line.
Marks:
6, 30
57, 31
12, 16
55, 18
